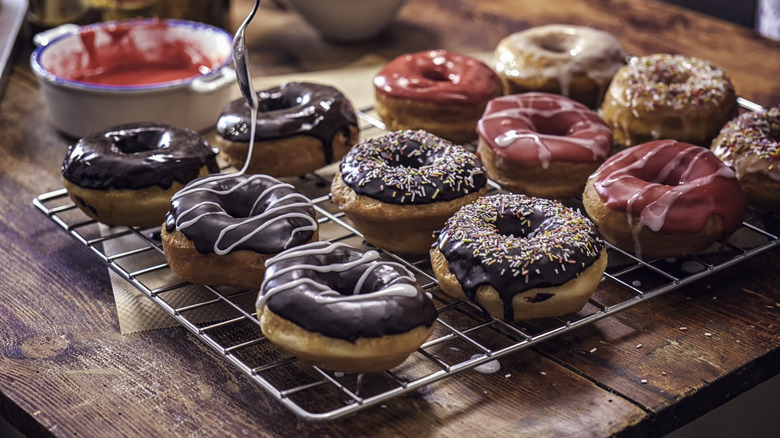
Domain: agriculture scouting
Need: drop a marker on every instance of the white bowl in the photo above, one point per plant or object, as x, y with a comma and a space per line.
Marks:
81, 101
348, 20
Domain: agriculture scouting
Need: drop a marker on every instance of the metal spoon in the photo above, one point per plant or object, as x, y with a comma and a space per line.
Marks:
242, 63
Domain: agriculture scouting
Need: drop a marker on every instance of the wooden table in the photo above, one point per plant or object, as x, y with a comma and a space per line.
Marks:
65, 369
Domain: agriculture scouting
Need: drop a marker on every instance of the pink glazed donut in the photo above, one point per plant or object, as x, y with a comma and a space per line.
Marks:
542, 145
438, 91
665, 199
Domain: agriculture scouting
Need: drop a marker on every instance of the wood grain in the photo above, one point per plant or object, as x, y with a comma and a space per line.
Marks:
66, 371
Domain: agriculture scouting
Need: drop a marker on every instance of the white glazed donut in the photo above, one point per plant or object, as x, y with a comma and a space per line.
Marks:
574, 61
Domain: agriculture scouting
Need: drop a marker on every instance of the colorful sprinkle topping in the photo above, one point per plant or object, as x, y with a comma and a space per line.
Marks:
673, 81
516, 243
752, 133
412, 167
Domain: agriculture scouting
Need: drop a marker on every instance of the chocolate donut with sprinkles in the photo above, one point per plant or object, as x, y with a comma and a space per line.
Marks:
750, 144
399, 188
519, 257
664, 96
343, 309
221, 229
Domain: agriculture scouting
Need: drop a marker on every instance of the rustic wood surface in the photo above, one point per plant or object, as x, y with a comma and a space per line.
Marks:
65, 370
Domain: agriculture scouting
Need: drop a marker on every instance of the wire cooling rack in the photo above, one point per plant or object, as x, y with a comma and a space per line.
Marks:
464, 338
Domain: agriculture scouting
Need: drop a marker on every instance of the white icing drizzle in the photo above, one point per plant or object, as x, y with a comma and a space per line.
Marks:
327, 294
653, 215
265, 218
523, 113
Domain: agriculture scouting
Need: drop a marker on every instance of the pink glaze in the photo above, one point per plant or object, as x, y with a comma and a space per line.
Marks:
671, 187
541, 127
438, 76
123, 62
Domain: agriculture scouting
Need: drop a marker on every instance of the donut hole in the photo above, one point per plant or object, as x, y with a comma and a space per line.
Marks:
550, 126
281, 101
135, 141
673, 77
513, 227
561, 43
436, 75
413, 155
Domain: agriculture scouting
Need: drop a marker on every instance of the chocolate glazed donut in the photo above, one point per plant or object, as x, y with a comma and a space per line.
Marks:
300, 127
221, 229
136, 156
359, 313
397, 189
520, 257
127, 174
227, 212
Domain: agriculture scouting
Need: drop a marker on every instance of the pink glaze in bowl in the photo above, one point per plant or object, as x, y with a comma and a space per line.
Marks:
169, 71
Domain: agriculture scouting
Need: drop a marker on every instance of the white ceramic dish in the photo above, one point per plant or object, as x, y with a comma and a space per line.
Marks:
348, 20
80, 106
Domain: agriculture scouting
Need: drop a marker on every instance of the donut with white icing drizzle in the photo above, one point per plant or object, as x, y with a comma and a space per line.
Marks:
750, 144
343, 309
573, 61
664, 199
221, 229
519, 257
542, 144
663, 96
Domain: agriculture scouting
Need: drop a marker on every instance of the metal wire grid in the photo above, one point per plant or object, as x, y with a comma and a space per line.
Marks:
464, 338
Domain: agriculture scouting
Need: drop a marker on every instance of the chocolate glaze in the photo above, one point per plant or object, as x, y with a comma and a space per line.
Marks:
137, 156
412, 167
293, 108
227, 212
345, 293
515, 243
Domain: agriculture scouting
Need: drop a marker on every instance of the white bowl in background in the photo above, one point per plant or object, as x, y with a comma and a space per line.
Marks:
348, 20
69, 68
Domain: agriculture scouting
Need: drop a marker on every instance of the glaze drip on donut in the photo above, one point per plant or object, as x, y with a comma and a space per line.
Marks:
342, 292
438, 76
137, 156
515, 243
293, 108
229, 212
412, 167
750, 143
541, 127
560, 52
671, 187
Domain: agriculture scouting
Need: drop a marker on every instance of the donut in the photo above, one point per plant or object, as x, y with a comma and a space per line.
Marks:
750, 144
397, 189
542, 144
438, 91
127, 174
343, 309
574, 61
221, 229
664, 199
673, 97
300, 128
519, 257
